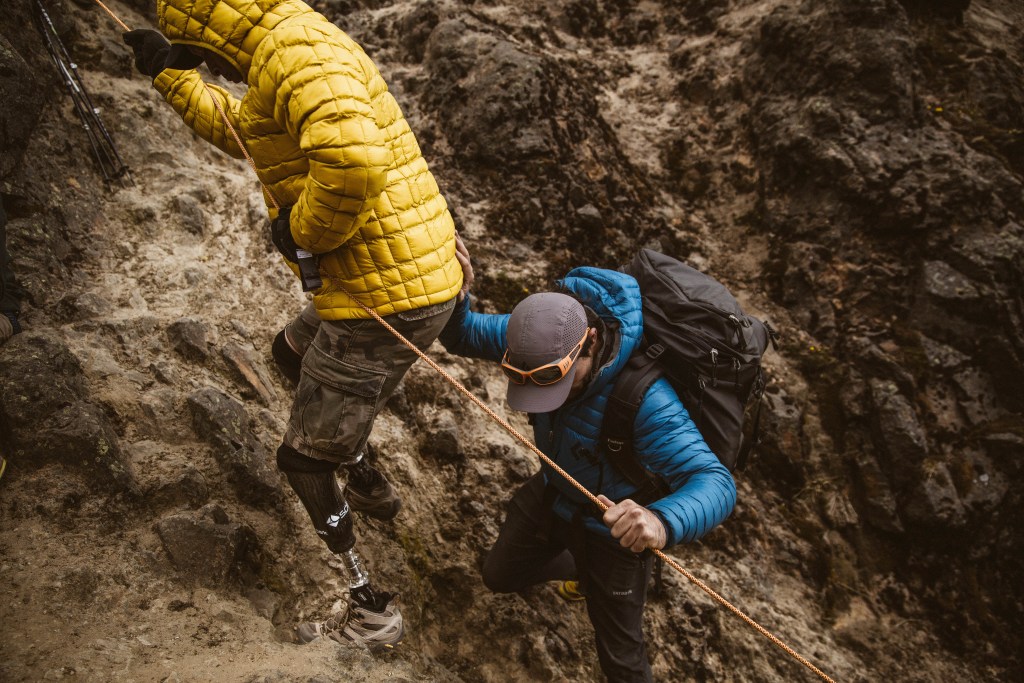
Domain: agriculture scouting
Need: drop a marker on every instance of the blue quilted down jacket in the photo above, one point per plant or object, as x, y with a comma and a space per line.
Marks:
666, 439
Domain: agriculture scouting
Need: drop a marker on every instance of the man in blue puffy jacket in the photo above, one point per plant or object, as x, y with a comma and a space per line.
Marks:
561, 352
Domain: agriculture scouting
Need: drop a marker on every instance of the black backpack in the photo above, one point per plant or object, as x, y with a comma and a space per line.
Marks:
697, 336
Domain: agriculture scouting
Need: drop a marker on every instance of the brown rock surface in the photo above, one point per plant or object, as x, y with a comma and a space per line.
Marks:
851, 169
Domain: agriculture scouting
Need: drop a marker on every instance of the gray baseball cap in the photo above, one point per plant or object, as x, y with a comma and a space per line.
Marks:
544, 328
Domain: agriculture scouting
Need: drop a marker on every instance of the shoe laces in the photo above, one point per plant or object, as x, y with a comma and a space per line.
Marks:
336, 621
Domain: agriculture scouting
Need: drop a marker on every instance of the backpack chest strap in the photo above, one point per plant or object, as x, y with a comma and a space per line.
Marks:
632, 384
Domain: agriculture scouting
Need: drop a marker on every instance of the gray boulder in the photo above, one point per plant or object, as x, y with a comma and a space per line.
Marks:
208, 547
48, 412
191, 338
222, 421
898, 432
934, 501
23, 99
522, 119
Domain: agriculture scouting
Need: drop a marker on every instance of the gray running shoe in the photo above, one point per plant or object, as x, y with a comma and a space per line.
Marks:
368, 492
356, 624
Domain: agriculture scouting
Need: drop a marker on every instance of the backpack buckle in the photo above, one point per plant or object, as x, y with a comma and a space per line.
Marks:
654, 351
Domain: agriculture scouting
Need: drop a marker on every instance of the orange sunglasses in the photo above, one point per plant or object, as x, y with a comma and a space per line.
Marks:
545, 374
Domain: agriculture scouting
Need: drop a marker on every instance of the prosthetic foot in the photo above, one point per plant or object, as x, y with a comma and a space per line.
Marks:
371, 619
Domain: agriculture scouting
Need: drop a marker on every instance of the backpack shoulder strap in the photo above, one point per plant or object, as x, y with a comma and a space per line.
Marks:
632, 384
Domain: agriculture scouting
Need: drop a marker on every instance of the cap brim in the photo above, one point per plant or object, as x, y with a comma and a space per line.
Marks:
531, 398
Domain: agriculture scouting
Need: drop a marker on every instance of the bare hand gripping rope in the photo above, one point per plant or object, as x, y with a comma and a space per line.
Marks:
515, 433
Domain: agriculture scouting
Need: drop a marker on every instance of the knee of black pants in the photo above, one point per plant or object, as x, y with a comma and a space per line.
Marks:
496, 576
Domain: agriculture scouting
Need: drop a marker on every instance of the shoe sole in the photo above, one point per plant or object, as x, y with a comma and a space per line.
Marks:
371, 646
569, 597
384, 647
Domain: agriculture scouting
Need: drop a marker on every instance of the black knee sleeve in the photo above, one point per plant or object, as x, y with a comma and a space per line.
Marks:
288, 362
290, 460
314, 483
338, 533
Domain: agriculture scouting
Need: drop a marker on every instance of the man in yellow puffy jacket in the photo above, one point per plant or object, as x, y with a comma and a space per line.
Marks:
332, 148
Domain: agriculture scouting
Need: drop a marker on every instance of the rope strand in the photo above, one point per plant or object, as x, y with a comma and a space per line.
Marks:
512, 430
241, 145
113, 16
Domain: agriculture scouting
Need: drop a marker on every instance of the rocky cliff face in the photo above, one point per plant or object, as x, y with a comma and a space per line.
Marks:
851, 169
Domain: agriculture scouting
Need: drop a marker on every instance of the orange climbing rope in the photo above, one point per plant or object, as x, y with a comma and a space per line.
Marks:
113, 16
513, 431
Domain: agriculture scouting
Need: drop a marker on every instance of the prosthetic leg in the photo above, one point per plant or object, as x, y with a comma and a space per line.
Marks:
368, 491
372, 618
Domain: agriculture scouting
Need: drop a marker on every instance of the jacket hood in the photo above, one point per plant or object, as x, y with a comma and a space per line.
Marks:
615, 297
231, 28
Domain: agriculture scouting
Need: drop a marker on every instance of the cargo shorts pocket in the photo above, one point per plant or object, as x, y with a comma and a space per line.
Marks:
335, 404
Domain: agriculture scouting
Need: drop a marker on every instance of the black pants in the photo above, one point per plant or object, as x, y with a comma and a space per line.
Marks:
613, 578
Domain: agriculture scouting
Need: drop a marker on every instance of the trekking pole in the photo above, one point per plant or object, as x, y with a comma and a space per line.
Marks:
111, 165
515, 433
49, 33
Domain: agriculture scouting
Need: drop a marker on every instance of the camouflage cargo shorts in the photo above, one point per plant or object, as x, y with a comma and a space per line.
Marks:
349, 370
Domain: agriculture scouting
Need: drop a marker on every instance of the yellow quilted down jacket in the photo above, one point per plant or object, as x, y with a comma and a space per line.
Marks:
328, 139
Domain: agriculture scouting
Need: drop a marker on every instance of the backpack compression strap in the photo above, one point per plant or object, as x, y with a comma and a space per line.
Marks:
641, 371
749, 444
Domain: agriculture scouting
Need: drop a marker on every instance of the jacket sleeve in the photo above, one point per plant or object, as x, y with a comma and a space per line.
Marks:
474, 335
192, 98
668, 443
321, 100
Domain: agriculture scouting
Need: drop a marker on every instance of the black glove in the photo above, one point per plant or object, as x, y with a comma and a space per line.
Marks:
180, 57
281, 234
150, 48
